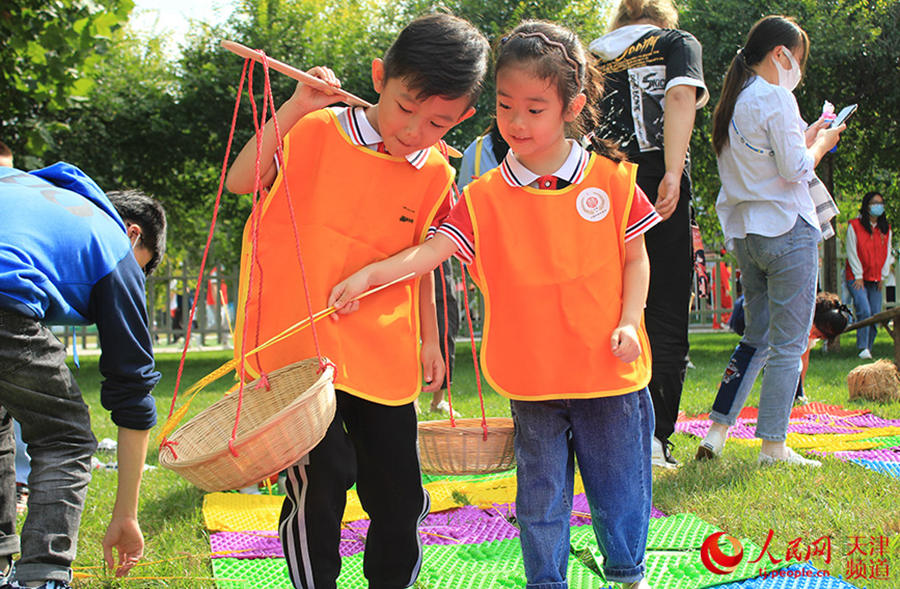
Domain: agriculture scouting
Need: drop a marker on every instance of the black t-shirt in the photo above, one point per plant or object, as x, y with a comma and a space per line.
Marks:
634, 90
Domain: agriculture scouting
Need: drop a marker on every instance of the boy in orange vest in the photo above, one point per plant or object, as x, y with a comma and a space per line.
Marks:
360, 183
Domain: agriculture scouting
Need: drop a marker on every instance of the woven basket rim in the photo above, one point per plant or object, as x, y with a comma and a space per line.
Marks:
469, 425
243, 440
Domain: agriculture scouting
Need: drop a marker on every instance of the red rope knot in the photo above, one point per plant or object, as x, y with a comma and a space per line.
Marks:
231, 448
171, 446
324, 363
263, 382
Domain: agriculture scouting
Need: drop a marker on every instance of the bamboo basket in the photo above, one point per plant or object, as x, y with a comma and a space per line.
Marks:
462, 450
277, 427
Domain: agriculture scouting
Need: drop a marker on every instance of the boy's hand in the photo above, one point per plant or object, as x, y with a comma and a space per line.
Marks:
625, 344
313, 98
432, 366
342, 295
123, 533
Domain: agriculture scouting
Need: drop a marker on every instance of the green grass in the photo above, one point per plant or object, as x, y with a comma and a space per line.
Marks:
840, 500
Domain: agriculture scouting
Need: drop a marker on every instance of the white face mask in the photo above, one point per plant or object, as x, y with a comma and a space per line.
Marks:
788, 78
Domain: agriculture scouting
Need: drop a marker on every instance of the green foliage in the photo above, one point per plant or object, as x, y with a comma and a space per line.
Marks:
853, 59
48, 49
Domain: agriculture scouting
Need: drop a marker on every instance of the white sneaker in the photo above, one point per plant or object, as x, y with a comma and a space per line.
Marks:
792, 458
658, 455
712, 445
444, 407
865, 354
642, 584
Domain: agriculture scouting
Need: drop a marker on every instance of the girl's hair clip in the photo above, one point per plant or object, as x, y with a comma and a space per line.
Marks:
575, 65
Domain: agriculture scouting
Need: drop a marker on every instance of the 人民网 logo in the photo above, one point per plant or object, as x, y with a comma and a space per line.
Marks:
717, 561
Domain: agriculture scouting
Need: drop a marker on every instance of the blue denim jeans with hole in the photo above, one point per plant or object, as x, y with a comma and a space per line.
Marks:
609, 437
779, 279
39, 391
866, 302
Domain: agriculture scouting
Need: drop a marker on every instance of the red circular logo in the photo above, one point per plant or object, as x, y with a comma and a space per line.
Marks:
592, 202
717, 561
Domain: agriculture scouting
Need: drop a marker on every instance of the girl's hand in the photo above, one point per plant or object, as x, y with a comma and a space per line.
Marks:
432, 366
313, 98
830, 136
342, 295
814, 129
624, 343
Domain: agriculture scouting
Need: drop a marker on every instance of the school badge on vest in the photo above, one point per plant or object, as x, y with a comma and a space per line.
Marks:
592, 204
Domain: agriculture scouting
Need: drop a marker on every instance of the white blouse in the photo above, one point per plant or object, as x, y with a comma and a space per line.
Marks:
765, 167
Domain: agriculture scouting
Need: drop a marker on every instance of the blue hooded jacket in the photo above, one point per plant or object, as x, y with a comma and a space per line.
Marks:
65, 259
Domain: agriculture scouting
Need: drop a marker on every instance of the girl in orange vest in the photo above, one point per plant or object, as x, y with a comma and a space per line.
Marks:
869, 262
555, 238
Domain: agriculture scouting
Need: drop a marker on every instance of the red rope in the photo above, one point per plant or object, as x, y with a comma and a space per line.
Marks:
447, 346
462, 267
287, 192
474, 356
258, 128
212, 227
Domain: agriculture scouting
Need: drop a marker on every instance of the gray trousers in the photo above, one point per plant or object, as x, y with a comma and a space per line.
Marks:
39, 391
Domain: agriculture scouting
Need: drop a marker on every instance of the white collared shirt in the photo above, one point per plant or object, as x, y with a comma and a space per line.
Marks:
765, 167
458, 224
361, 132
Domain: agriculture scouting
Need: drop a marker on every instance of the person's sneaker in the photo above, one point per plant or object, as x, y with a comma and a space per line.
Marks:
660, 455
8, 574
792, 458
712, 445
21, 500
444, 407
48, 585
801, 400
642, 584
865, 354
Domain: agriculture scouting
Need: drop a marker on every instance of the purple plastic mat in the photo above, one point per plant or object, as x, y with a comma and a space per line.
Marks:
260, 544
465, 525
867, 420
808, 424
880, 454
581, 511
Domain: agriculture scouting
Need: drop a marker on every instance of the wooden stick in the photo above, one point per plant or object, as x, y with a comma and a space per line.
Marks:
280, 66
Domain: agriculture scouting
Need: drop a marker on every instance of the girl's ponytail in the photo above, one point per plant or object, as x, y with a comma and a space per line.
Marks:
767, 34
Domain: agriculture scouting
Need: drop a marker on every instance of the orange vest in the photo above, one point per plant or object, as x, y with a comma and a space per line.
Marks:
352, 206
550, 264
872, 249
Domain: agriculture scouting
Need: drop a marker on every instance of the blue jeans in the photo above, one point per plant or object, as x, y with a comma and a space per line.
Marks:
867, 302
610, 438
779, 279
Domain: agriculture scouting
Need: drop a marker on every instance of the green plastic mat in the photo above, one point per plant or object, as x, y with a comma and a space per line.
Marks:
884, 441
673, 553
680, 532
430, 478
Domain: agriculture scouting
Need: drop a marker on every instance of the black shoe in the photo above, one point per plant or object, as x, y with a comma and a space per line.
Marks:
667, 453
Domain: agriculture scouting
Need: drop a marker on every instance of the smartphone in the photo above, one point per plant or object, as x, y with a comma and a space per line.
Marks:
843, 115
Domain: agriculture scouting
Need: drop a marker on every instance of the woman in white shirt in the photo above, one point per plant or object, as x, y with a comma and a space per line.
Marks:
766, 157
869, 262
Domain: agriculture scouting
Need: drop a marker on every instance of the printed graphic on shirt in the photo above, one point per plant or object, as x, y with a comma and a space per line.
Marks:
647, 88
635, 86
592, 204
